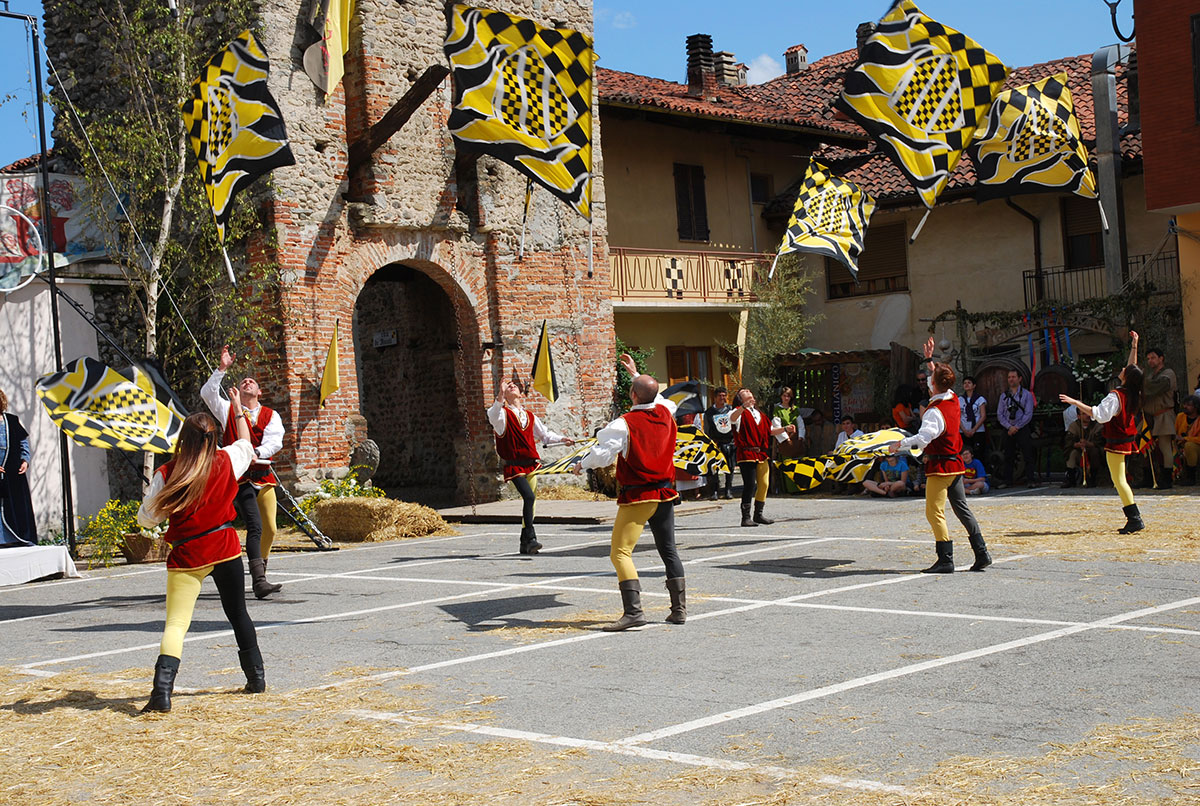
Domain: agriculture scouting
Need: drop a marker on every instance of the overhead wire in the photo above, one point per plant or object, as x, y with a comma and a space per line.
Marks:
117, 196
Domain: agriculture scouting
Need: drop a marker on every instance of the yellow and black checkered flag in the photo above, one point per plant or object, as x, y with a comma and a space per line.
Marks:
523, 94
545, 379
566, 463
1032, 144
696, 453
806, 472
830, 218
94, 405
921, 90
235, 125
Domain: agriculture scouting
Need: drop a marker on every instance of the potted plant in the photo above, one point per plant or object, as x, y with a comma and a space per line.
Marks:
114, 529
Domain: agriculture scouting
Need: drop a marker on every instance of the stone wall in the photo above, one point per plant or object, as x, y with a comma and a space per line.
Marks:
335, 231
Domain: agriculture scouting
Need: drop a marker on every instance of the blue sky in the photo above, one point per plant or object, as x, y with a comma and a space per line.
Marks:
648, 38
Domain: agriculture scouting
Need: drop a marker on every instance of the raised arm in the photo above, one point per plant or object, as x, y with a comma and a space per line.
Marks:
241, 425
1133, 347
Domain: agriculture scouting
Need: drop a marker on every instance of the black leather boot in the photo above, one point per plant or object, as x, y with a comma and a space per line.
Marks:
945, 558
1166, 478
1189, 476
165, 669
529, 541
631, 599
1072, 478
675, 587
758, 516
1133, 520
728, 496
746, 519
258, 580
252, 665
982, 558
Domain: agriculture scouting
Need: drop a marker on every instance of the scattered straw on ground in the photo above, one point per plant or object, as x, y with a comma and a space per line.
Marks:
568, 492
77, 738
371, 520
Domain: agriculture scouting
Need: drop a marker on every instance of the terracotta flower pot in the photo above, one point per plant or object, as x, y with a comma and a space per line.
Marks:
138, 548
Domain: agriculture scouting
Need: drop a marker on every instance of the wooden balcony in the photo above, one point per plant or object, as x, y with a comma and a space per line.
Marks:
654, 276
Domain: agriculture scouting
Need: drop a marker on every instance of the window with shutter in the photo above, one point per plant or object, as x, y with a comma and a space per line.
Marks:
882, 266
1083, 238
691, 207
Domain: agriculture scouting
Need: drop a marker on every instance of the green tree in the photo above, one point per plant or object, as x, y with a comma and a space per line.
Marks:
778, 325
622, 382
130, 132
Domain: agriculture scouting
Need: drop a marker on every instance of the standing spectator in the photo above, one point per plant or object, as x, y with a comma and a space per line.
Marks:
975, 474
848, 431
753, 437
788, 443
1187, 430
718, 427
893, 477
974, 417
1082, 445
1015, 413
1159, 390
17, 526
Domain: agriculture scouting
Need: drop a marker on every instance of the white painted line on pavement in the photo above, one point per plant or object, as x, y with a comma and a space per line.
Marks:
892, 674
689, 759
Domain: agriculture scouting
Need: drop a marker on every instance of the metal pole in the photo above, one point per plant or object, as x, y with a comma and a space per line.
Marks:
48, 241
1108, 163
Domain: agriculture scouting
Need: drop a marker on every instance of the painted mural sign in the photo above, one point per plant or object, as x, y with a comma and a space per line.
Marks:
75, 235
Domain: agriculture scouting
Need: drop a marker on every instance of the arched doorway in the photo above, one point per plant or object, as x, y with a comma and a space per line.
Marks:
406, 343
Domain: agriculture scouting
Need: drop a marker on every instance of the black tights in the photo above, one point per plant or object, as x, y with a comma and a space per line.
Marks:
246, 504
662, 526
230, 579
528, 497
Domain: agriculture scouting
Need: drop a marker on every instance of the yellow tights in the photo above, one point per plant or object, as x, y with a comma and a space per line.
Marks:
936, 489
266, 512
183, 589
1116, 470
631, 519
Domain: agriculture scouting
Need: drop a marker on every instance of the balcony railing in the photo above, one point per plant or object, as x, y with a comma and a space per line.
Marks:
1075, 285
654, 274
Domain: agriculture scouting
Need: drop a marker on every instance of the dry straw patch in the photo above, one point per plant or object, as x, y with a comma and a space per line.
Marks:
78, 738
371, 520
568, 492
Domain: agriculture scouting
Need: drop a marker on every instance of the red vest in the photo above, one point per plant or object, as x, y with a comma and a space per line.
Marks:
647, 470
753, 440
942, 455
258, 475
517, 447
214, 508
1120, 433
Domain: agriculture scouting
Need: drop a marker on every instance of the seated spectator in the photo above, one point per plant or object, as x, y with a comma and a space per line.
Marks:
916, 476
1083, 444
848, 431
820, 434
892, 477
903, 414
1187, 438
975, 478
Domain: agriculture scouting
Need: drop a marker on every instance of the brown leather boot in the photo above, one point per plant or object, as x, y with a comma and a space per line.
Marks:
631, 598
258, 580
676, 588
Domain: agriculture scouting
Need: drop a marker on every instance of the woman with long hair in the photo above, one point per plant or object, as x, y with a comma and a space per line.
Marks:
194, 493
941, 438
1119, 411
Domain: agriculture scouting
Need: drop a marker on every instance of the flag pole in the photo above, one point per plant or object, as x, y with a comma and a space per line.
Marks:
589, 249
1103, 217
525, 218
774, 260
917, 231
228, 266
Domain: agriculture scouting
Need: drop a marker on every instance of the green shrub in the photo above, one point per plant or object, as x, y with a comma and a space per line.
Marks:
104, 533
338, 488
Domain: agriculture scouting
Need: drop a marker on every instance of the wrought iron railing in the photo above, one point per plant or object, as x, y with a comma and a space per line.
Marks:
655, 274
1065, 285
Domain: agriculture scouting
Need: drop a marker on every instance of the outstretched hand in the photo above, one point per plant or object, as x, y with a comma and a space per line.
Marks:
227, 358
626, 361
929, 348
235, 397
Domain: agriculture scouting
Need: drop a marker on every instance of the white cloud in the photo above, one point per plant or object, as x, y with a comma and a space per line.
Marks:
763, 68
624, 20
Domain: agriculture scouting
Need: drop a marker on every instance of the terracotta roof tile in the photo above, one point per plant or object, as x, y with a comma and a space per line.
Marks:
747, 104
26, 164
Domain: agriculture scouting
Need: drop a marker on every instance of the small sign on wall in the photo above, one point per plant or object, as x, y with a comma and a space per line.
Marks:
384, 338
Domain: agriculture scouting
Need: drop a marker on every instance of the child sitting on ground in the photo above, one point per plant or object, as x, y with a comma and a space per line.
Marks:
893, 477
975, 479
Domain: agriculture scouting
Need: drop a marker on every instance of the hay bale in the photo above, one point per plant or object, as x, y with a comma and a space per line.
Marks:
372, 520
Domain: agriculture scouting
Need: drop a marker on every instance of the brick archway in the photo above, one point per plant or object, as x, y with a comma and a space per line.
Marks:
412, 342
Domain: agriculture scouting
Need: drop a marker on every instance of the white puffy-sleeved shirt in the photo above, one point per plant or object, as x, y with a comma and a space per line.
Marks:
613, 439
498, 417
932, 424
218, 404
1107, 408
241, 454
